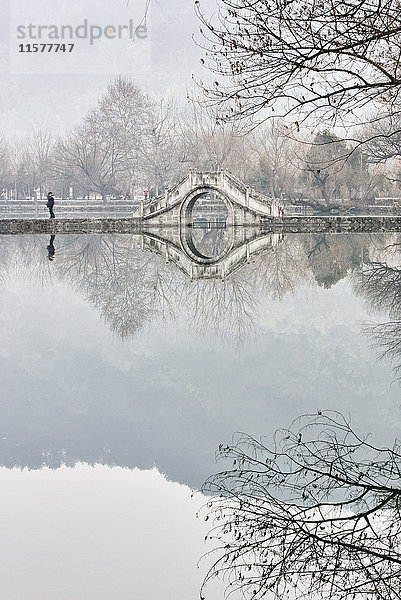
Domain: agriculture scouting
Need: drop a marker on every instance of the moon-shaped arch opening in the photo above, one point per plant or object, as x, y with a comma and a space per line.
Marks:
208, 237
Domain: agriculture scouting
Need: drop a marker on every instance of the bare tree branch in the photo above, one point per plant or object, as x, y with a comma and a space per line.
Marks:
316, 514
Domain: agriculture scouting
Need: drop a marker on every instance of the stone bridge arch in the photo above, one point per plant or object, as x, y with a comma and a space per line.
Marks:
243, 247
246, 207
189, 201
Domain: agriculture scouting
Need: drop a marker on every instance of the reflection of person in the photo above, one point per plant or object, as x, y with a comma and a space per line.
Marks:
50, 248
50, 204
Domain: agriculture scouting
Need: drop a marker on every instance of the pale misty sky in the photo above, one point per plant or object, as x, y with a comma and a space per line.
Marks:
54, 91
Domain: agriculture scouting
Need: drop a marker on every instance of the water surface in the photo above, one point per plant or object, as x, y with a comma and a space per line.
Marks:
111, 355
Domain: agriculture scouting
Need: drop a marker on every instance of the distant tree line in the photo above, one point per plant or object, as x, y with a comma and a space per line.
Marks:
131, 141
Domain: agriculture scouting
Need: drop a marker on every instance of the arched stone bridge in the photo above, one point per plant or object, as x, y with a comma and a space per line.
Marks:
239, 247
244, 205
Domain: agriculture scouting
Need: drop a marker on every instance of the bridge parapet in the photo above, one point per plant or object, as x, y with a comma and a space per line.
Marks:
245, 201
168, 199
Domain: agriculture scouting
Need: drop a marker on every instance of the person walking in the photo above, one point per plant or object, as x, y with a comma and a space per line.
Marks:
50, 204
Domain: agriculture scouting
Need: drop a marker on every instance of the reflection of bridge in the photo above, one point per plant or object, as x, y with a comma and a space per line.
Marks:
245, 206
241, 245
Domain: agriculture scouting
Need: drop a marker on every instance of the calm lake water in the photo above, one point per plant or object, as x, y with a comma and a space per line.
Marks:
121, 375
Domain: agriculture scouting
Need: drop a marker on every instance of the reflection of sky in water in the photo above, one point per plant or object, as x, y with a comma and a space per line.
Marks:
182, 382
97, 532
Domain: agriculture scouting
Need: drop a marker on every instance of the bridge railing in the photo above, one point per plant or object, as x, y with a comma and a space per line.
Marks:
240, 185
167, 199
235, 188
261, 198
153, 205
177, 187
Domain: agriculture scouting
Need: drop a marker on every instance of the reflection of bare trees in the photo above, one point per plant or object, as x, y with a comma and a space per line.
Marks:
315, 513
131, 288
6, 257
226, 310
26, 255
333, 257
116, 278
387, 337
380, 285
210, 242
110, 271
281, 270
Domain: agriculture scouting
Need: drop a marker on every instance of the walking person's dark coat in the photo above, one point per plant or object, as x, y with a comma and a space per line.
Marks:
50, 204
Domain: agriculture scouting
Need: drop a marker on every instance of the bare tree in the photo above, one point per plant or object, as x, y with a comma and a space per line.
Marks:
21, 168
127, 116
90, 158
213, 144
6, 166
41, 151
306, 59
164, 153
104, 153
314, 515
276, 166
384, 138
382, 149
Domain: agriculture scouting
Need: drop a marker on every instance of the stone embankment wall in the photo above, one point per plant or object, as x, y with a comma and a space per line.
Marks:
357, 224
54, 226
